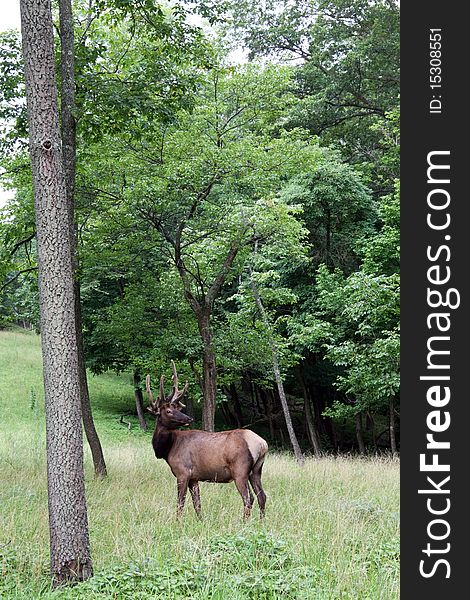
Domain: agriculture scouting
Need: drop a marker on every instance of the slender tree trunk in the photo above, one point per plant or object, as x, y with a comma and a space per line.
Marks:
189, 407
228, 407
236, 405
229, 417
281, 435
259, 404
313, 436
252, 395
69, 151
370, 426
87, 417
277, 374
336, 437
312, 432
209, 372
68, 522
328, 237
391, 413
139, 401
269, 411
359, 436
322, 424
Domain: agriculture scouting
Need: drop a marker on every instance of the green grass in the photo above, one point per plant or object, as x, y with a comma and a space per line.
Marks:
331, 529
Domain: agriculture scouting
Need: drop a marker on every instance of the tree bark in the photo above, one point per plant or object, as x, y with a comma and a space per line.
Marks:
202, 308
312, 432
359, 436
277, 374
226, 405
87, 416
139, 401
189, 407
268, 407
234, 407
391, 413
69, 151
209, 371
67, 98
68, 522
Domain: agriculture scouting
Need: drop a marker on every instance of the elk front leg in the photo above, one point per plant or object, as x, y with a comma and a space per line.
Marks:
195, 495
182, 488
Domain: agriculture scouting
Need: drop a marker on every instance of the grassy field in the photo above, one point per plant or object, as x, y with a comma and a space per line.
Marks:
331, 529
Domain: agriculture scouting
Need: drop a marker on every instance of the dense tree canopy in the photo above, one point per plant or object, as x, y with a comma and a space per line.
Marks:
205, 187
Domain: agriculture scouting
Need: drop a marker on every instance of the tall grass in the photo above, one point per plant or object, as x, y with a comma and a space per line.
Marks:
331, 529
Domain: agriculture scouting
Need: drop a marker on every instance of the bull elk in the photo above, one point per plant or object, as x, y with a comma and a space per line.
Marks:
196, 455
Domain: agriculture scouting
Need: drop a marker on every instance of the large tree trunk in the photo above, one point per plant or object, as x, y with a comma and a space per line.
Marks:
209, 371
202, 308
391, 413
277, 374
69, 151
68, 523
139, 401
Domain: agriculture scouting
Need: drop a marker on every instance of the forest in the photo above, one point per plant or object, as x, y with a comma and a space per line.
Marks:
231, 176
208, 178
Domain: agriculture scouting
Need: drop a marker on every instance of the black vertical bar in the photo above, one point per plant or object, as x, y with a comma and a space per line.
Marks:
423, 132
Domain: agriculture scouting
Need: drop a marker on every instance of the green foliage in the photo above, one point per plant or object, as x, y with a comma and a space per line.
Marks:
250, 562
135, 59
184, 157
346, 54
12, 94
382, 251
363, 325
205, 182
337, 209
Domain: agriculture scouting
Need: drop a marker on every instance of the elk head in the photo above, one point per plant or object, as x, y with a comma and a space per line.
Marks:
168, 409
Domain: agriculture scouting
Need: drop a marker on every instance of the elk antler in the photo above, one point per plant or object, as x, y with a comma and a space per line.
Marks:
154, 406
177, 394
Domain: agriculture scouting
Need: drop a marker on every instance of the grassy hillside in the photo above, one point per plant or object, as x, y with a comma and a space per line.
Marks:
331, 529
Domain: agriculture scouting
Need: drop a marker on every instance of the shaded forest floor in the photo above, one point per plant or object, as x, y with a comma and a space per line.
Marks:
331, 529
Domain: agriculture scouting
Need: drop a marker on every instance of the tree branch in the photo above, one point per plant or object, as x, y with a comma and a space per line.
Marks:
214, 290
21, 242
15, 277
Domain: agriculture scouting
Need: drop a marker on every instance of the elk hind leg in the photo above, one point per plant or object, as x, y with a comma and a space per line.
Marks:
255, 480
245, 493
196, 496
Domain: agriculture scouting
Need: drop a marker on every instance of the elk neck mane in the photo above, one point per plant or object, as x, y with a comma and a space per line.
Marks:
162, 441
